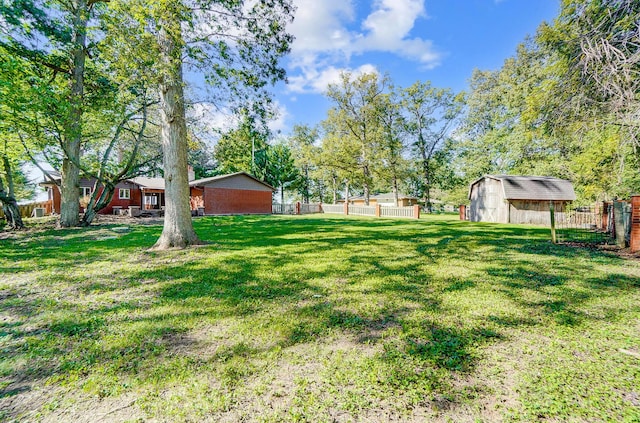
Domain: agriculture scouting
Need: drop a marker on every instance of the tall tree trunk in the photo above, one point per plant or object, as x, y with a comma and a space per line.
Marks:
426, 173
282, 196
395, 190
367, 191
334, 187
305, 194
8, 200
346, 192
97, 202
427, 185
70, 183
178, 227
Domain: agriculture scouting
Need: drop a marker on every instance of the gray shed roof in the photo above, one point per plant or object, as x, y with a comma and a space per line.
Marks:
533, 187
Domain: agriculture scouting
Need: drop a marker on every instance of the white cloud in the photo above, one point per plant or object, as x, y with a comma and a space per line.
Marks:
316, 80
210, 118
320, 26
279, 122
328, 35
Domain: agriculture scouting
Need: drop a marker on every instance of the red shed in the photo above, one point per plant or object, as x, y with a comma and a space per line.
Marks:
236, 193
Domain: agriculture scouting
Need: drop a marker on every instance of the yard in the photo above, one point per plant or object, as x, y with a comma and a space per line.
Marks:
319, 319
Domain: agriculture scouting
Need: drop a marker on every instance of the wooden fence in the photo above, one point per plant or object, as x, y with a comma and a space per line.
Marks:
333, 208
407, 212
362, 210
28, 210
296, 208
411, 212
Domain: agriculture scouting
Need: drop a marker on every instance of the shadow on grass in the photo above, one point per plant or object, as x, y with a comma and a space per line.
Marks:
254, 265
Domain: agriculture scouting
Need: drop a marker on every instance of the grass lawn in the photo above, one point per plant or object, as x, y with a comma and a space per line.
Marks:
318, 319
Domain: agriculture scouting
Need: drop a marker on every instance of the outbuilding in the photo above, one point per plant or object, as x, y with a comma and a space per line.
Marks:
236, 193
518, 199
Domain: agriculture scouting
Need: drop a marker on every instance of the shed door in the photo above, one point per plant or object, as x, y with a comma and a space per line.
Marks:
492, 202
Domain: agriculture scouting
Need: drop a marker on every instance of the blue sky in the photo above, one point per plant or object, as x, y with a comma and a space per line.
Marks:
437, 40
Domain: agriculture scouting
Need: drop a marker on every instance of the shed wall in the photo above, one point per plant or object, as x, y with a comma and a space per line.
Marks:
488, 203
534, 212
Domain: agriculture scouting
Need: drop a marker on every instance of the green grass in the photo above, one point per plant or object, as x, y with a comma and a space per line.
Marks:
317, 319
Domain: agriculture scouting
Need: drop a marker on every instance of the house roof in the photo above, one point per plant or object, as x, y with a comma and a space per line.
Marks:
389, 196
149, 183
204, 181
142, 181
158, 183
378, 197
544, 188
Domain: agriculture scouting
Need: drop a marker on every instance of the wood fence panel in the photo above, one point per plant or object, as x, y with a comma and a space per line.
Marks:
26, 210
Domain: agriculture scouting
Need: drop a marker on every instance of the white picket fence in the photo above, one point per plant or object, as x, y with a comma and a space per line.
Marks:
362, 210
283, 209
294, 208
310, 208
396, 212
333, 208
385, 211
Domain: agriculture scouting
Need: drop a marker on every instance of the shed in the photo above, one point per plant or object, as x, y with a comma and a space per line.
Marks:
518, 199
236, 193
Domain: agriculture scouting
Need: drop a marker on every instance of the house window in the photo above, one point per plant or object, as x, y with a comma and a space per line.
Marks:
124, 194
85, 192
151, 200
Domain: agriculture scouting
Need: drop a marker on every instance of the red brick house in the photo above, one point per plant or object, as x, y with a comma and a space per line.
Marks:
236, 193
145, 193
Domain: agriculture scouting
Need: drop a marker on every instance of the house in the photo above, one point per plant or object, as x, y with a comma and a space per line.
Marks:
236, 193
518, 199
141, 192
385, 199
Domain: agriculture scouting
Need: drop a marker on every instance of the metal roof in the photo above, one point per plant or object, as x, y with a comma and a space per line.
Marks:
544, 188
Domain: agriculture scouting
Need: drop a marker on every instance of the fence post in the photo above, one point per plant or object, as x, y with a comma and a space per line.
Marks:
416, 212
634, 240
377, 210
463, 212
553, 221
346, 208
619, 223
298, 207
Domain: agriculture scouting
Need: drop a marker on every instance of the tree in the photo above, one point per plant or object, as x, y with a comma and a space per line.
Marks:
177, 231
391, 144
13, 91
281, 168
597, 53
129, 137
53, 37
431, 115
305, 153
243, 149
237, 46
339, 154
354, 117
